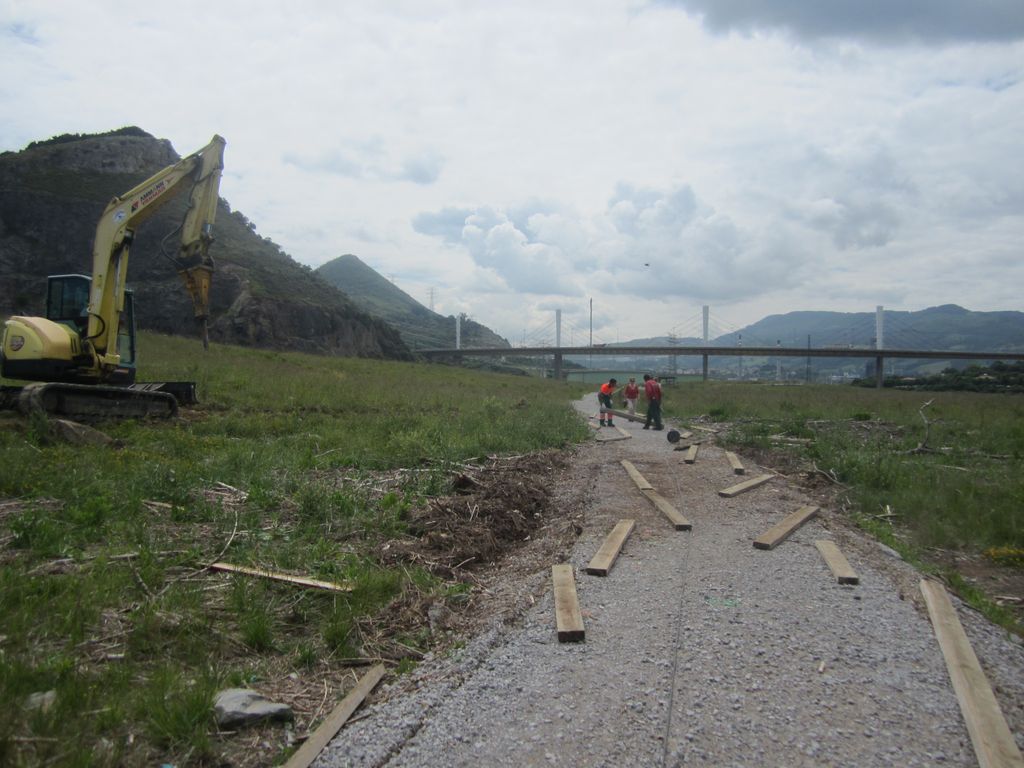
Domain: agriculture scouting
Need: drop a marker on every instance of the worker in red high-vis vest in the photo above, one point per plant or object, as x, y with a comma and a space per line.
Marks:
604, 397
652, 389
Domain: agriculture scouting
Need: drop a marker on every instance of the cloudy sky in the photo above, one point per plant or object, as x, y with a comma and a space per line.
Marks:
517, 157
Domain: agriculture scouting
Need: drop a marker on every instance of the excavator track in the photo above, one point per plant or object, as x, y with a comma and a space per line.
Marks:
89, 401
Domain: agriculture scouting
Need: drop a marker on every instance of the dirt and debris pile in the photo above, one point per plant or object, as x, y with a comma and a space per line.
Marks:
492, 509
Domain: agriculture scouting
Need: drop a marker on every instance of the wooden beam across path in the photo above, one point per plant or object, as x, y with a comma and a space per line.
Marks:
613, 438
781, 531
746, 485
993, 742
321, 737
837, 562
605, 558
627, 415
691, 454
634, 473
674, 516
285, 577
568, 619
735, 463
622, 432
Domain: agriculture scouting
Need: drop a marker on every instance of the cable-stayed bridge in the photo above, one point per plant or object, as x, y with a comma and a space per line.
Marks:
847, 336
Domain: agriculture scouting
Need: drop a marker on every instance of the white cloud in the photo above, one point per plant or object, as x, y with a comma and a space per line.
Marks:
522, 157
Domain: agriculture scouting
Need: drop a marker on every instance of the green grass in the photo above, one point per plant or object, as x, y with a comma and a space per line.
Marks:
98, 587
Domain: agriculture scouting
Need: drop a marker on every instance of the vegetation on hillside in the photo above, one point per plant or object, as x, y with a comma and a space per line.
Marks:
999, 377
51, 200
65, 138
420, 327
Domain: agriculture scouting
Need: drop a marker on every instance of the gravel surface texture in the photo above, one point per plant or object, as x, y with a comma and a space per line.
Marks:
699, 648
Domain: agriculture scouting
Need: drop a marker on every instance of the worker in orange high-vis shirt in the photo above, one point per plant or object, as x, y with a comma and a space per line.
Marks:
604, 397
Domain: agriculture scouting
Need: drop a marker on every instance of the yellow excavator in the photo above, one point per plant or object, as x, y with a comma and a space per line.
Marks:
82, 354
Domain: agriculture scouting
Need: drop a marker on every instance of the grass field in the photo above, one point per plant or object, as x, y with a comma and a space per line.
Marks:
308, 465
100, 548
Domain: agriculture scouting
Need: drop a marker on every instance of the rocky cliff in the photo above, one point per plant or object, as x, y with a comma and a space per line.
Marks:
53, 192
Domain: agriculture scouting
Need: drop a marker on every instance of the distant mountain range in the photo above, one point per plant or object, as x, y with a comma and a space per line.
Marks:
419, 327
946, 327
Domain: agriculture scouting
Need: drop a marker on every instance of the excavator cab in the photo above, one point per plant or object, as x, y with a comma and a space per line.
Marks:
67, 303
67, 300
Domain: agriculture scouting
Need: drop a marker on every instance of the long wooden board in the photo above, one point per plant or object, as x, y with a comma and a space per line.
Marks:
640, 480
605, 558
691, 454
990, 735
837, 562
674, 516
285, 577
735, 463
568, 619
780, 531
613, 439
746, 485
622, 431
628, 416
322, 736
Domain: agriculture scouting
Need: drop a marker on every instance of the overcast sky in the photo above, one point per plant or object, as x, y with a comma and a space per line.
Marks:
517, 157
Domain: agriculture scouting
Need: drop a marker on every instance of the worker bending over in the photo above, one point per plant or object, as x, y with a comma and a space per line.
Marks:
604, 397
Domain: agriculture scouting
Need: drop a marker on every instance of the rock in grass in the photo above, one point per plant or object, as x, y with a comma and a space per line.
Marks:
242, 706
42, 701
78, 434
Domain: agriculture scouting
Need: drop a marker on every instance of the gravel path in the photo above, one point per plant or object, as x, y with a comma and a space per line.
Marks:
699, 648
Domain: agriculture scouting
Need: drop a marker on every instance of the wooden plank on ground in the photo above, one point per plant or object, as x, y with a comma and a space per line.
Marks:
691, 454
628, 416
675, 517
321, 737
735, 463
837, 561
285, 577
639, 479
992, 739
612, 439
568, 619
780, 531
622, 431
603, 561
746, 485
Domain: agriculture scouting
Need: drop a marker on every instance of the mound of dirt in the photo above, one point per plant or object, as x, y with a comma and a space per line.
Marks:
491, 511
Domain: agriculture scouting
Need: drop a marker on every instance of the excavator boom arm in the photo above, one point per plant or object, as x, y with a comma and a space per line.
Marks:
115, 231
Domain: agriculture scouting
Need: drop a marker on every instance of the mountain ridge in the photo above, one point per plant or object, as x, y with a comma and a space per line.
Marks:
943, 327
419, 326
51, 196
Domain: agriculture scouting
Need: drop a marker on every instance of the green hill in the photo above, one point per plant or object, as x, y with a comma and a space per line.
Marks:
52, 194
419, 327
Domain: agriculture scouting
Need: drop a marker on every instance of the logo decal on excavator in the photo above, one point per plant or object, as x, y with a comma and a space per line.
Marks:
119, 216
17, 342
153, 193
